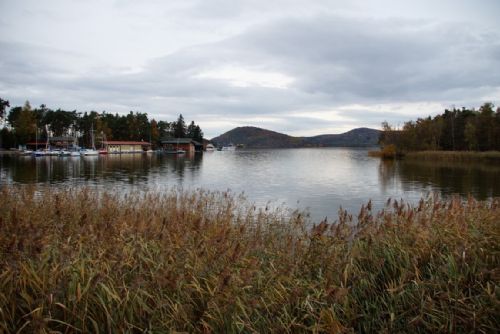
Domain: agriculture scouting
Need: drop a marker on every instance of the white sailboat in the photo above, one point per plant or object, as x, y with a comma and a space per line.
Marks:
40, 153
74, 152
90, 151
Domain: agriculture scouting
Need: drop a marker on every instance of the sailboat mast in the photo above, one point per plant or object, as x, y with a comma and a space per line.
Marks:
92, 136
47, 131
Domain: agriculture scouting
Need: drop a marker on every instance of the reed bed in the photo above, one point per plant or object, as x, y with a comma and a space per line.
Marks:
454, 156
80, 261
386, 152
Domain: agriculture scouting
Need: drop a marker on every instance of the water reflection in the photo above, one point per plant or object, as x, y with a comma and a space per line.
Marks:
478, 179
181, 164
320, 180
128, 168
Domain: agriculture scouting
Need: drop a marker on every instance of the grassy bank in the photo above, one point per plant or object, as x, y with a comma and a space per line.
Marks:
386, 152
390, 152
454, 156
77, 261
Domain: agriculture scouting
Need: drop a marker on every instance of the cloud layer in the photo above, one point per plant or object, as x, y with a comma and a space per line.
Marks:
300, 74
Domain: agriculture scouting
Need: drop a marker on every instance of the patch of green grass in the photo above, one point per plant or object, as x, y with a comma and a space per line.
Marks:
80, 261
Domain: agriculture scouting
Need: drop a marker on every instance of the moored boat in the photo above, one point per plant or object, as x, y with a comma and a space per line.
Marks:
90, 151
40, 153
229, 147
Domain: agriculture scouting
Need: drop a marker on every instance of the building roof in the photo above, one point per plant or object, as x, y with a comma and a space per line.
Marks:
180, 141
123, 142
62, 138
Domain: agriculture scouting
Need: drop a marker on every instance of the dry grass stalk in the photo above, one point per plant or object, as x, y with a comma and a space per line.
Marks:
78, 261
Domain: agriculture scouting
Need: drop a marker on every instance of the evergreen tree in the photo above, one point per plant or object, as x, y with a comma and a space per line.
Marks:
59, 121
180, 127
485, 127
198, 134
165, 129
7, 138
194, 131
190, 130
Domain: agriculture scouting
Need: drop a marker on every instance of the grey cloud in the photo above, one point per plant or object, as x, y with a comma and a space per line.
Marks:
377, 60
356, 60
335, 61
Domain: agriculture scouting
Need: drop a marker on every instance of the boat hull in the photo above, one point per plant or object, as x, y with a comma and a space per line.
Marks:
89, 152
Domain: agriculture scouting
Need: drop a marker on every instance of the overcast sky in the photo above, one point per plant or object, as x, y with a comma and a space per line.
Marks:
301, 67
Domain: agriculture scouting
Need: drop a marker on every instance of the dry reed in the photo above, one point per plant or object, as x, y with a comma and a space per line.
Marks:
454, 156
78, 261
386, 152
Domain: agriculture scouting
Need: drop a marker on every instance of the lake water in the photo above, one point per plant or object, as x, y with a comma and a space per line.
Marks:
318, 179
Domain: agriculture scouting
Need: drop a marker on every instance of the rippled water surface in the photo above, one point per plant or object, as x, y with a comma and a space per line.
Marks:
320, 180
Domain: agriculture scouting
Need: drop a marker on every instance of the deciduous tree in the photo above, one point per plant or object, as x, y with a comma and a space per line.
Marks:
4, 104
25, 124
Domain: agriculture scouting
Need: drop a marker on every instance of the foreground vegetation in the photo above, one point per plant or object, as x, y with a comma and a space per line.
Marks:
82, 261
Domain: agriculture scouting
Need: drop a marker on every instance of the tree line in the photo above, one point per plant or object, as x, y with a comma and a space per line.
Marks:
26, 124
454, 130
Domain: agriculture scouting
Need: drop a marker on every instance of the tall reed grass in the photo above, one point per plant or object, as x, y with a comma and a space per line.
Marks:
78, 261
454, 156
386, 152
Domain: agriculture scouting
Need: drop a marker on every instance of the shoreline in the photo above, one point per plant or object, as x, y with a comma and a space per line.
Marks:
459, 156
451, 156
9, 152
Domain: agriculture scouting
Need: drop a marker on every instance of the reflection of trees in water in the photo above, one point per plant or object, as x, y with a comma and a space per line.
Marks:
180, 164
130, 168
22, 170
27, 169
387, 173
480, 179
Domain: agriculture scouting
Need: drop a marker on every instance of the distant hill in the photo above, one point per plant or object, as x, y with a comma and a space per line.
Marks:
253, 137
360, 137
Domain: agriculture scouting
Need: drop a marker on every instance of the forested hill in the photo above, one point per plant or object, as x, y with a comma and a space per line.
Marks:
253, 137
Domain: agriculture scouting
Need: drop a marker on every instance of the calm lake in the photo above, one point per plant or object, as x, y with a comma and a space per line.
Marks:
318, 179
